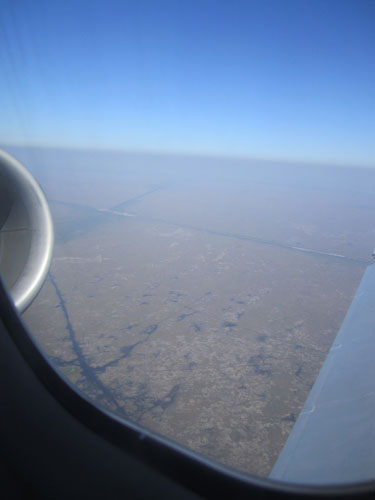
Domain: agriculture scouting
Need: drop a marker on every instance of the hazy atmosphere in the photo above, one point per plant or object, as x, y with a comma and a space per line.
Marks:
199, 297
209, 167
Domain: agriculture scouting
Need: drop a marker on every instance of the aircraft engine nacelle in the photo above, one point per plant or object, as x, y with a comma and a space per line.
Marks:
26, 232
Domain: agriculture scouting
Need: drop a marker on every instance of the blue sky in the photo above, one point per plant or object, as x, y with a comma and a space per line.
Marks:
271, 79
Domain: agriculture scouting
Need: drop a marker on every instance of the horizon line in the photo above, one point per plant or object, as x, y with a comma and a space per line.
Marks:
194, 154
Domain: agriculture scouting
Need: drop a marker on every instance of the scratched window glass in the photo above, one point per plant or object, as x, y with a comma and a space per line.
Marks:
208, 170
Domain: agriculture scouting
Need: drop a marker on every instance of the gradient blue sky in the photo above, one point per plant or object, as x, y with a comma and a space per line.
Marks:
273, 79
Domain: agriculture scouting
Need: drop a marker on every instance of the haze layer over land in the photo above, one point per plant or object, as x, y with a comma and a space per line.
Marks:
199, 296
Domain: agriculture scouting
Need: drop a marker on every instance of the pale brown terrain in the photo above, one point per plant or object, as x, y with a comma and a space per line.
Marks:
171, 318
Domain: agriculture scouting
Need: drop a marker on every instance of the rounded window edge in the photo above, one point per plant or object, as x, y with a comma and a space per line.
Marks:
198, 474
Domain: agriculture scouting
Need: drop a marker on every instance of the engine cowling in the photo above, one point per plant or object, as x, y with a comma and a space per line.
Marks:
26, 232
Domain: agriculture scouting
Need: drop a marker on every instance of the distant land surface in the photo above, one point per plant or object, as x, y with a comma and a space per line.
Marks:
196, 296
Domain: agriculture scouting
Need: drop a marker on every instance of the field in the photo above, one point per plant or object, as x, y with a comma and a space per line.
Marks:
199, 297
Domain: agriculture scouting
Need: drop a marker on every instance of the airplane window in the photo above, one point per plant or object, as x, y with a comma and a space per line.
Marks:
209, 167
